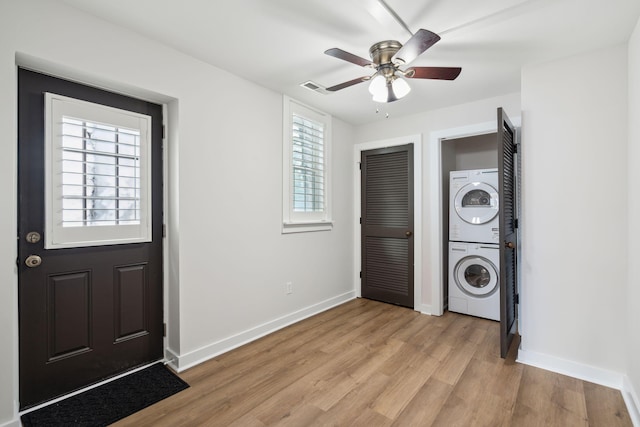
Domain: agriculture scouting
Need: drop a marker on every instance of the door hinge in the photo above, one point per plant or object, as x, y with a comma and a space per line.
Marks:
515, 223
517, 299
360, 166
360, 220
361, 274
164, 230
515, 148
164, 329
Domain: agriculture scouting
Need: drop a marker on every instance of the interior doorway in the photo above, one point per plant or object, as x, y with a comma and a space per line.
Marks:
460, 154
438, 226
386, 223
495, 145
416, 142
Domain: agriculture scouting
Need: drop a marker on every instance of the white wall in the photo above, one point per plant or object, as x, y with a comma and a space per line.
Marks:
424, 123
574, 186
228, 260
633, 280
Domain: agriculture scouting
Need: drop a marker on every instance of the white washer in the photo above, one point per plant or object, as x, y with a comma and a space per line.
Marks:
474, 279
474, 206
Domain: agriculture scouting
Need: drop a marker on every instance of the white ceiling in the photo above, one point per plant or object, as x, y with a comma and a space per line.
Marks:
279, 44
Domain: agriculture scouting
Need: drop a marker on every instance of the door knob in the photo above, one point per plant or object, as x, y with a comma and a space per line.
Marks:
33, 261
509, 245
408, 233
33, 237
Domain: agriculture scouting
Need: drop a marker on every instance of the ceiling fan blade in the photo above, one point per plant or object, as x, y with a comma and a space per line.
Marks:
349, 83
438, 73
421, 41
349, 57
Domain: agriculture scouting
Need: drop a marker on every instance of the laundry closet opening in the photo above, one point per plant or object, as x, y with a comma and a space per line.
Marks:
486, 201
470, 260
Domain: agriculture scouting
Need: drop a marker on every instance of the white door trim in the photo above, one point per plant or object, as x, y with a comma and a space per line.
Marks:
416, 140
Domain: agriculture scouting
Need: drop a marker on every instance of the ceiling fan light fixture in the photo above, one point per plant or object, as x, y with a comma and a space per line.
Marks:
400, 87
388, 89
382, 97
378, 86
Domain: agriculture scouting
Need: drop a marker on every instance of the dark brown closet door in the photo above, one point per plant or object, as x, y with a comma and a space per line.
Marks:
508, 231
387, 225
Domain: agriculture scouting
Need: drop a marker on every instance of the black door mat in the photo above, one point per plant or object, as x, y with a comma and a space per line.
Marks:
110, 402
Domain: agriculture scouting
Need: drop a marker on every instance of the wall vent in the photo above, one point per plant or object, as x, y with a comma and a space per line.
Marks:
314, 87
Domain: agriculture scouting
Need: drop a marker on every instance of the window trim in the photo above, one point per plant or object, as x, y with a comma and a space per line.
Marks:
58, 237
298, 222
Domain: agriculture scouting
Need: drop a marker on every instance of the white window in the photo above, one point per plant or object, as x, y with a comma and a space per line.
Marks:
97, 174
307, 172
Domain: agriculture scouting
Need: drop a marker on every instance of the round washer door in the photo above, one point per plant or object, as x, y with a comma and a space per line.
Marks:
477, 203
476, 276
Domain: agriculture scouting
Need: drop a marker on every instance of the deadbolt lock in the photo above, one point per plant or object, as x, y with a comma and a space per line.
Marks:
33, 237
33, 261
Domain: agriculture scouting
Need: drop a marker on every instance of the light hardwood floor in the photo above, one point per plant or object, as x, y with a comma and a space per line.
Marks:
366, 363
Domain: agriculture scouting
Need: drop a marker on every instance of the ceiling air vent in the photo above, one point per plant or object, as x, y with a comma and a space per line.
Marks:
314, 87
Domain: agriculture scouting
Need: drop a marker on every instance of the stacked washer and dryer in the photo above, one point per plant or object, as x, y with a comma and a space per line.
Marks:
474, 254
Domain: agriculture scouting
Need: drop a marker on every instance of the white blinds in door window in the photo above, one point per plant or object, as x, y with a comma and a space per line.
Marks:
98, 174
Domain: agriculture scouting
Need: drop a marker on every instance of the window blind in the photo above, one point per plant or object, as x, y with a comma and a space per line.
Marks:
308, 165
100, 174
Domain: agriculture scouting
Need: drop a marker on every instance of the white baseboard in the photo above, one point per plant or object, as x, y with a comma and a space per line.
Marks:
187, 360
587, 373
632, 400
572, 369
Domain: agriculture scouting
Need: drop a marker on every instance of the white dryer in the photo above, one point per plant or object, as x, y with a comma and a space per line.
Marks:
474, 206
474, 279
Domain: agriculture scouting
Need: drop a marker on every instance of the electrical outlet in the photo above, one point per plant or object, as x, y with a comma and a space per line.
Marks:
288, 288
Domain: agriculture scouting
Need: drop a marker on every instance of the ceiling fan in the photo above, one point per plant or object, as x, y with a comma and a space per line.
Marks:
387, 83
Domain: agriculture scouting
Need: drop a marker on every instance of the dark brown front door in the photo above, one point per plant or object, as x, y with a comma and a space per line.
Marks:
86, 313
387, 225
508, 231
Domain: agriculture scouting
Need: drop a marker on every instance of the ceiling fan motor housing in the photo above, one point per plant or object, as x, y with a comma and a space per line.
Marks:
382, 52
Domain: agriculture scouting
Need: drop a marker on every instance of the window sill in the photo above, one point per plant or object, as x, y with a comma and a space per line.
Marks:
305, 227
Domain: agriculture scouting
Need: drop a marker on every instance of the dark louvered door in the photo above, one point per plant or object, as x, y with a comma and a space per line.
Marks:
508, 236
387, 225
